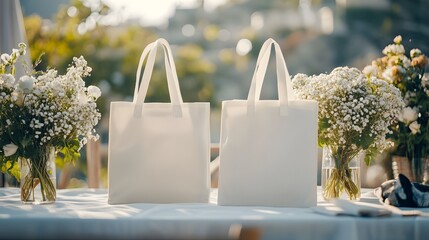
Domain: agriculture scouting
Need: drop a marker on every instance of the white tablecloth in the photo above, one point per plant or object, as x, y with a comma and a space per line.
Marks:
84, 213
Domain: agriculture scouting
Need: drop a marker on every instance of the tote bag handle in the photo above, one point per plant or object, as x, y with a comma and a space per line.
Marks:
172, 80
143, 56
284, 83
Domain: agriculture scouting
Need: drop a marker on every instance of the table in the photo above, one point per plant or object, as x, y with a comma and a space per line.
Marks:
84, 213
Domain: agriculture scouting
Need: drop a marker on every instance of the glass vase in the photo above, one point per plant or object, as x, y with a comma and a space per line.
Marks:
420, 169
340, 174
416, 170
38, 177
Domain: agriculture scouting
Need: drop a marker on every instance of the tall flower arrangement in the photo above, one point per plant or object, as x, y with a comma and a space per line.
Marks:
44, 111
411, 132
355, 113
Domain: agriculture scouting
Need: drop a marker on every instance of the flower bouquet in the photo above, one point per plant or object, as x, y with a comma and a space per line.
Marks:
355, 113
43, 115
411, 132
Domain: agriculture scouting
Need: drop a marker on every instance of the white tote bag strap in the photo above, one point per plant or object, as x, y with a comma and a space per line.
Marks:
139, 69
284, 83
172, 80
172, 74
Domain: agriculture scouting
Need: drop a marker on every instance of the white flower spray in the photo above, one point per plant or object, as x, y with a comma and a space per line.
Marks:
43, 111
355, 112
407, 73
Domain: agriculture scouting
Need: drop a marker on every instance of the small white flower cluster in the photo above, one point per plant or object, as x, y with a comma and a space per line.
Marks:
354, 111
7, 80
61, 104
44, 111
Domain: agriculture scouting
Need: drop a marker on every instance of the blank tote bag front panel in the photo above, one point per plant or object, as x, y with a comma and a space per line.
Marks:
158, 152
268, 149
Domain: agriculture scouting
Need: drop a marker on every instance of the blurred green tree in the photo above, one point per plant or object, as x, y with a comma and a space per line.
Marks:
113, 52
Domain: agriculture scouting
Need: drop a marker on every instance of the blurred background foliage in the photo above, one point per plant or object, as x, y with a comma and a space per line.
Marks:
215, 50
113, 53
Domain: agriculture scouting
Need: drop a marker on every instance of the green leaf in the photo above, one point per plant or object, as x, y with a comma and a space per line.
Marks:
15, 171
365, 141
370, 154
69, 153
324, 123
11, 167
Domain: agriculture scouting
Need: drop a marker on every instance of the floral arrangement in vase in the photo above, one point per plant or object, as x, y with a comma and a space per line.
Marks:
355, 113
43, 115
410, 133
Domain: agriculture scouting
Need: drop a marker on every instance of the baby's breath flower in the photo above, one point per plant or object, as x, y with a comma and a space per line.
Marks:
7, 80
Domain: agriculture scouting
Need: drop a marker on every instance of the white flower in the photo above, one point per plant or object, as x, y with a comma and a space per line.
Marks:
394, 49
408, 115
16, 52
388, 75
405, 61
9, 149
414, 127
370, 70
415, 52
22, 46
26, 83
8, 80
397, 39
18, 97
425, 81
5, 58
94, 92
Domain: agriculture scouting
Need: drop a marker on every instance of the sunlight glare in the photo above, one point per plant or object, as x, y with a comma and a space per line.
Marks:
156, 13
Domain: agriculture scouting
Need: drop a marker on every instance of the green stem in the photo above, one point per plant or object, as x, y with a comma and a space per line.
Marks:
38, 174
341, 176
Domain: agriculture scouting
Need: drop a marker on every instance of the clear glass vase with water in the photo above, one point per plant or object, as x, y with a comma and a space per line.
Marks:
340, 175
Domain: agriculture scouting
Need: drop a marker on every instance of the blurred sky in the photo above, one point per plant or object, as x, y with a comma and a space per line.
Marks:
156, 12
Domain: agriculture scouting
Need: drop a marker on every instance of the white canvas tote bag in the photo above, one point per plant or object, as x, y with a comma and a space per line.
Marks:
268, 148
158, 152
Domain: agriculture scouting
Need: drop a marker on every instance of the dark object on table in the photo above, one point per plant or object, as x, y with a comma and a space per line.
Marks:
403, 193
1, 180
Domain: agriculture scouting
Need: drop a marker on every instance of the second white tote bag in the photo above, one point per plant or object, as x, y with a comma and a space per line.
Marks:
268, 148
158, 152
